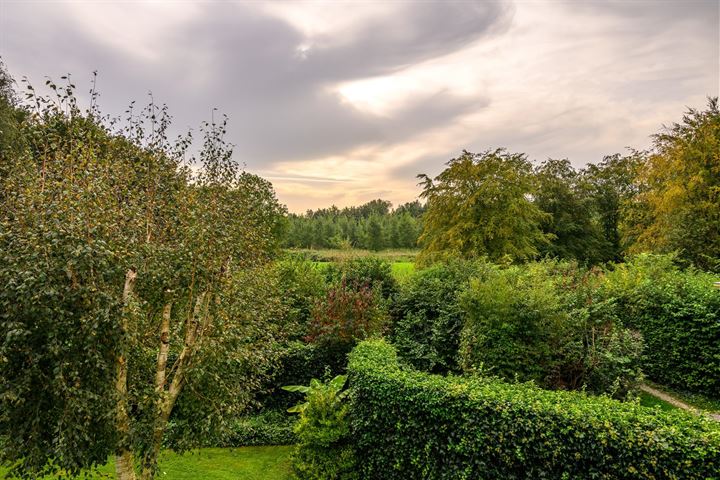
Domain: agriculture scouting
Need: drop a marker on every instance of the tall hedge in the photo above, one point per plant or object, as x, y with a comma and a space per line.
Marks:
412, 425
678, 313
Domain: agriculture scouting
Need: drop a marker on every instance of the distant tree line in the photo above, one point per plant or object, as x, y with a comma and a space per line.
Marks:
496, 204
373, 226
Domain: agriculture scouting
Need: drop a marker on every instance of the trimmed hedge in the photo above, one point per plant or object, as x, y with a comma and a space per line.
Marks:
265, 428
407, 424
678, 314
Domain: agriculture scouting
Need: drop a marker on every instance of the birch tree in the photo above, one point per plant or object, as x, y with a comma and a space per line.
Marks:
124, 265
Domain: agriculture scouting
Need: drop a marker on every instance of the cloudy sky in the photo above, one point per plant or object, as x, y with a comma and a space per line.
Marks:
342, 102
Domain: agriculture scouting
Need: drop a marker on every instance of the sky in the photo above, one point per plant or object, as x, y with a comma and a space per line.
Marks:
343, 102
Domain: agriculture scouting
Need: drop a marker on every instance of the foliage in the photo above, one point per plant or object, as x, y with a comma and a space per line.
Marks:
427, 316
323, 450
327, 255
361, 272
407, 424
612, 187
118, 264
372, 226
302, 285
677, 312
540, 322
264, 428
572, 224
299, 363
480, 206
346, 315
242, 354
11, 117
681, 195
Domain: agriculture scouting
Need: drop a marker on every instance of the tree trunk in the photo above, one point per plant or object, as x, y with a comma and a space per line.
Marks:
124, 464
167, 397
149, 464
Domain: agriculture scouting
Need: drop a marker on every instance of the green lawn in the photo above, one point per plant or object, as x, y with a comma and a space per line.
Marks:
246, 463
402, 270
647, 400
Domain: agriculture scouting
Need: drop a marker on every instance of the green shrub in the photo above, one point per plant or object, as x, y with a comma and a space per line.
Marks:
347, 313
323, 445
541, 322
428, 318
302, 284
270, 427
411, 425
362, 272
678, 313
301, 362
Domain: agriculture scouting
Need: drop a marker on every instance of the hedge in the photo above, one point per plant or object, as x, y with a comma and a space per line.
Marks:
678, 314
408, 424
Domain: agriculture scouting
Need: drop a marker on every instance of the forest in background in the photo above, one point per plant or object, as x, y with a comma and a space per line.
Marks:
500, 205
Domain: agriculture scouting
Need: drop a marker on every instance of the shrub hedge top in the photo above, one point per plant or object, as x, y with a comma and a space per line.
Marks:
408, 424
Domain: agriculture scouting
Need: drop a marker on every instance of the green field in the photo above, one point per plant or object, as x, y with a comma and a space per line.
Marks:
246, 463
335, 255
403, 270
400, 270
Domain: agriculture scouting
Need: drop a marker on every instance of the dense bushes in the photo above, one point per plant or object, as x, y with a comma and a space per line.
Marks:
407, 424
270, 427
678, 313
428, 318
360, 272
541, 322
327, 313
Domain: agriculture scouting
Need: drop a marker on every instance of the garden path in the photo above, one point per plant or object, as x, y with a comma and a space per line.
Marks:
674, 401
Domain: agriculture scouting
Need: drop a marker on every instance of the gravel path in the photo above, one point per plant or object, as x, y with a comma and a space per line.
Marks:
677, 403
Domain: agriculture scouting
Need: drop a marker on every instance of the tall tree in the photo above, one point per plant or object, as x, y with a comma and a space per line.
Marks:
120, 269
681, 197
612, 185
480, 205
572, 223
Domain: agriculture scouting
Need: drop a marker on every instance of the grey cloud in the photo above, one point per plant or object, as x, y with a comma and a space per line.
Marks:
246, 63
421, 31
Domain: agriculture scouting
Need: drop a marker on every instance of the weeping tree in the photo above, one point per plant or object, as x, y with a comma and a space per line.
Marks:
132, 287
481, 205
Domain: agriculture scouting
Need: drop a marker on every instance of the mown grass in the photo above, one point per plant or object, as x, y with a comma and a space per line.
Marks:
647, 400
245, 463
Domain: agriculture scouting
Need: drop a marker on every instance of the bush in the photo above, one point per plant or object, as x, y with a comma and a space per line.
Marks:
678, 313
540, 322
428, 317
407, 424
301, 362
270, 427
323, 451
364, 272
348, 313
302, 285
